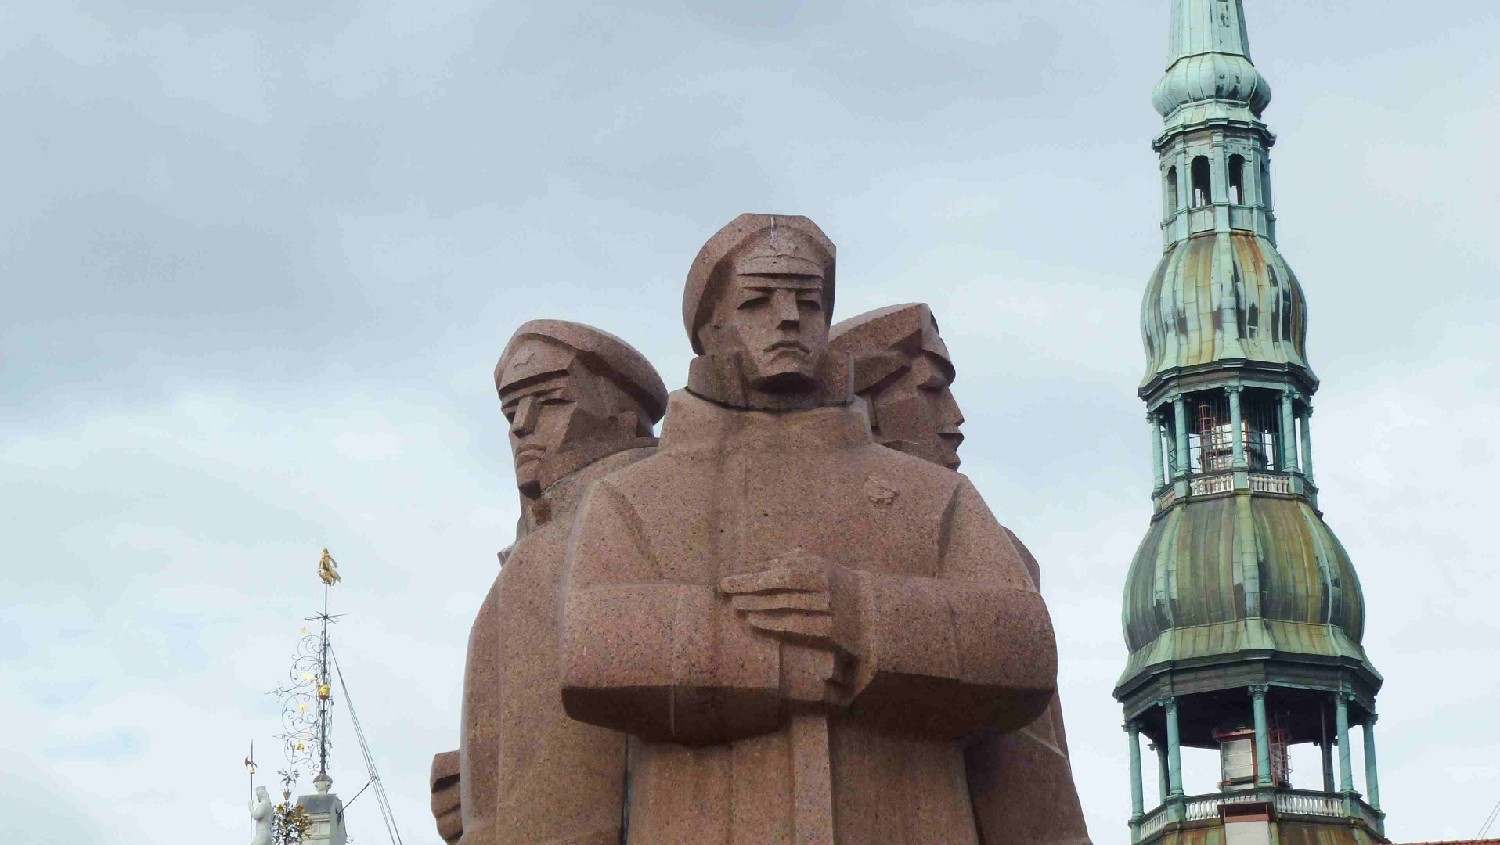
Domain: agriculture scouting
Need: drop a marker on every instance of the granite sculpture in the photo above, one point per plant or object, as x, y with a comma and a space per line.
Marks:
581, 404
446, 810
1021, 781
263, 814
798, 627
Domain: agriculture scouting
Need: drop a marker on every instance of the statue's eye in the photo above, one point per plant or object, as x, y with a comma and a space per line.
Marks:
810, 302
754, 300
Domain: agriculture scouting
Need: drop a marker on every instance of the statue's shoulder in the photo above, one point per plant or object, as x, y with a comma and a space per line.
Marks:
910, 474
651, 472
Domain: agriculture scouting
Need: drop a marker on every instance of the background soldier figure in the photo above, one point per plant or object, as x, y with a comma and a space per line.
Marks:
1021, 782
581, 404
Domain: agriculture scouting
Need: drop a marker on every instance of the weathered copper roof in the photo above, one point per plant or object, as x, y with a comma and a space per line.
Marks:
1230, 574
1223, 296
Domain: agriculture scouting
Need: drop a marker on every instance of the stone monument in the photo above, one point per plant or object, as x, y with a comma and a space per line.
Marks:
263, 814
1021, 782
581, 404
798, 627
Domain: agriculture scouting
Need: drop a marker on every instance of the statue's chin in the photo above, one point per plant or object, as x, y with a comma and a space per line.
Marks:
530, 487
794, 381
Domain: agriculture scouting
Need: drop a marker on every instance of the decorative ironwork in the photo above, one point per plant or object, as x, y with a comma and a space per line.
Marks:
307, 696
304, 732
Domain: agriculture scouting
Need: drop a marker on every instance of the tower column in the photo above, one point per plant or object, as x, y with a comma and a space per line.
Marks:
1372, 779
1307, 465
1137, 794
1287, 460
1252, 179
1179, 425
1326, 747
1346, 765
1156, 455
1218, 180
1184, 180
1236, 425
1174, 749
1163, 780
1262, 736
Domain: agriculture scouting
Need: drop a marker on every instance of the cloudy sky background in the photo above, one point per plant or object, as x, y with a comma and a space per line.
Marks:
259, 260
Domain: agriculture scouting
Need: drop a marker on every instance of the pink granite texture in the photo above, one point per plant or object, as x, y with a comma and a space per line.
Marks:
1020, 781
801, 629
581, 404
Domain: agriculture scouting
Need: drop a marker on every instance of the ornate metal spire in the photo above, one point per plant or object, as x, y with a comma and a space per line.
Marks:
1208, 63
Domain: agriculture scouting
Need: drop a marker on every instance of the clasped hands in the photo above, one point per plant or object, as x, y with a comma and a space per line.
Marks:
813, 607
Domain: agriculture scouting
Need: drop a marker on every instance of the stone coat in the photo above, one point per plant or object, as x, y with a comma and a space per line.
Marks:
1021, 781
956, 637
530, 775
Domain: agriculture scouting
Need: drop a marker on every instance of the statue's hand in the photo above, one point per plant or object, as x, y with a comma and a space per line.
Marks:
812, 605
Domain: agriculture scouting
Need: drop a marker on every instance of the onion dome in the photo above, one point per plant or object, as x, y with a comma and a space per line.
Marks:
1221, 576
1210, 60
1223, 296
1211, 76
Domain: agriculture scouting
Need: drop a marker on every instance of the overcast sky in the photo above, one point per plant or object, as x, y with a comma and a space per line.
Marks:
259, 260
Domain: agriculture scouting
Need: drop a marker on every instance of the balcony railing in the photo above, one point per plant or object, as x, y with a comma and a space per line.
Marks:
1289, 802
1227, 481
1262, 482
1309, 804
1206, 485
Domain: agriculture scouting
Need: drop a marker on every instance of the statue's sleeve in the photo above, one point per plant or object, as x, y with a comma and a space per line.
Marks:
970, 648
652, 656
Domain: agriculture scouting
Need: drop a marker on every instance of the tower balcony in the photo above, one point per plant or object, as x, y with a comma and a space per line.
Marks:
1224, 482
1274, 804
1234, 438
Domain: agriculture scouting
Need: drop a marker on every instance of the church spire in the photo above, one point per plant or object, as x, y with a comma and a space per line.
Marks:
1243, 612
1208, 63
1208, 26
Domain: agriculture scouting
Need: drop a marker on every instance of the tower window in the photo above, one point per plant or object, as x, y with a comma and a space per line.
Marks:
1202, 195
1170, 199
1237, 179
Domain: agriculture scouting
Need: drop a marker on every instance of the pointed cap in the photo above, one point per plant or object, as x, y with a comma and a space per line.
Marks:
1209, 59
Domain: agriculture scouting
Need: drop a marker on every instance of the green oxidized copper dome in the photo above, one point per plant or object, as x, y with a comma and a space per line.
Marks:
1223, 296
1222, 576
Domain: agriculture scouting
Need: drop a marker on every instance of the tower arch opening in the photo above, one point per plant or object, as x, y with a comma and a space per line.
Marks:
1169, 192
1202, 183
1237, 179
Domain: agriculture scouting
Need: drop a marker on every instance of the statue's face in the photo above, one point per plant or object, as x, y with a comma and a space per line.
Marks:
558, 414
776, 324
917, 413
